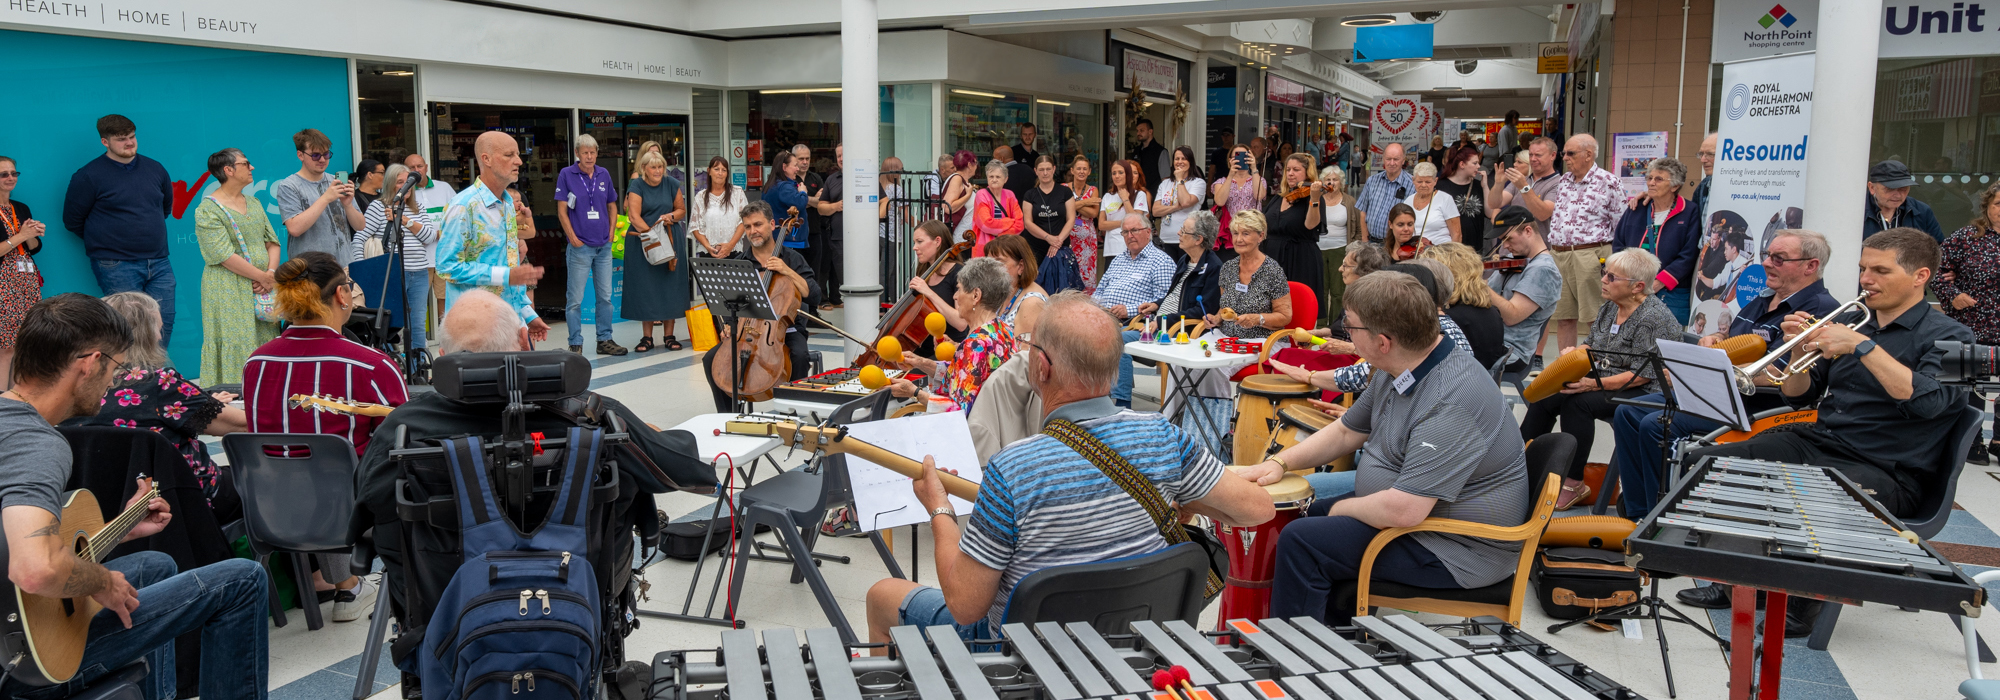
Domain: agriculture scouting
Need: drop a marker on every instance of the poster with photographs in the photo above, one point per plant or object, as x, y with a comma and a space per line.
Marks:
1759, 184
1631, 152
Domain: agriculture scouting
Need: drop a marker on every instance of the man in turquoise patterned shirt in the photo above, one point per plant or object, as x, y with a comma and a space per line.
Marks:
477, 248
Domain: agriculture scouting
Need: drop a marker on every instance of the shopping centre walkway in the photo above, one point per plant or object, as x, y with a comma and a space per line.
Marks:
1878, 652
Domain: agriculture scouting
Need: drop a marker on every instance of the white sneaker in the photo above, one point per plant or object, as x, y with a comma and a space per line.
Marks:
354, 603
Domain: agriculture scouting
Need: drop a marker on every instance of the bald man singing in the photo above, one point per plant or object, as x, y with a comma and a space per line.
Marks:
477, 245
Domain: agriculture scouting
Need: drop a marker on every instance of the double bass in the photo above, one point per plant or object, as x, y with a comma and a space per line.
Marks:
769, 362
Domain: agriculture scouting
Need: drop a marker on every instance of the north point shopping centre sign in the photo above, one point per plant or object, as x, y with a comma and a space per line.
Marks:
1923, 28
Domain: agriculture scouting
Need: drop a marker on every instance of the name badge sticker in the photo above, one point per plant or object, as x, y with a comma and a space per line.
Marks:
1241, 287
1404, 380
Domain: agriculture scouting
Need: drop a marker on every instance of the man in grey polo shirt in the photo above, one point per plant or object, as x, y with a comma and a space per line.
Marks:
1440, 443
1526, 297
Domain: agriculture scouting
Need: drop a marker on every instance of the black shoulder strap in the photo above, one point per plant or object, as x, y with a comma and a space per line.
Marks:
1127, 477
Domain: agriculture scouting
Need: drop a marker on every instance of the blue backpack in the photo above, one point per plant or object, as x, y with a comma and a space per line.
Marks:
520, 618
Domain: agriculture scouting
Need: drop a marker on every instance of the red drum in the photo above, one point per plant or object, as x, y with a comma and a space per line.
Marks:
1253, 551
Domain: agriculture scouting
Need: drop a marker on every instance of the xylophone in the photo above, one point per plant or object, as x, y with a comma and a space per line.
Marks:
1379, 658
1798, 528
835, 387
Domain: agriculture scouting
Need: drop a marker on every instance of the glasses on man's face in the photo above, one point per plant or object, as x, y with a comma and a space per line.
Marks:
1705, 154
321, 156
1776, 259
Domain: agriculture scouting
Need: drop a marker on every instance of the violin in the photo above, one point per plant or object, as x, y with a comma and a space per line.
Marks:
769, 363
1301, 192
905, 320
1507, 264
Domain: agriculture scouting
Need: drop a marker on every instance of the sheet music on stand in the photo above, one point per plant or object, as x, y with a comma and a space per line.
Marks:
735, 286
1704, 383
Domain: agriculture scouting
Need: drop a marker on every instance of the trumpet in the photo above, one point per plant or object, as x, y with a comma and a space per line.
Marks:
1774, 367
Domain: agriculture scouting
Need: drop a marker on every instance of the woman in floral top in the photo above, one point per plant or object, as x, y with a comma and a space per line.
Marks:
149, 396
983, 285
1968, 282
1083, 235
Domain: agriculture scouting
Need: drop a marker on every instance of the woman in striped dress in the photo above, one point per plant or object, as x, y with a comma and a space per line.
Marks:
418, 237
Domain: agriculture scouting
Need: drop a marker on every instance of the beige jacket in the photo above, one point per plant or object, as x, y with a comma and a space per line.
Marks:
1008, 409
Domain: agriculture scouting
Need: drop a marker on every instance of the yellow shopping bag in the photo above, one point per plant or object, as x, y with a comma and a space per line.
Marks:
701, 328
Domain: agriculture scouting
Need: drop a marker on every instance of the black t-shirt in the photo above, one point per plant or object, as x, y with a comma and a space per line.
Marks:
814, 183
1483, 329
1047, 210
836, 223
1471, 201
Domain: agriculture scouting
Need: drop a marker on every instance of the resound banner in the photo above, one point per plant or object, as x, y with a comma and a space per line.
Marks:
1759, 187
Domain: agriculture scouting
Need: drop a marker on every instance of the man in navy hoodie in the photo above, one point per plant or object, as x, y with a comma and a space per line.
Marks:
1890, 204
119, 203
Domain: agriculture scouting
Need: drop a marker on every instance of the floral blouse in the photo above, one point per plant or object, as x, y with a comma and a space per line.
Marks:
162, 401
984, 350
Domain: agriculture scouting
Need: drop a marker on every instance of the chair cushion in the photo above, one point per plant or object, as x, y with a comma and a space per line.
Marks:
1986, 689
1500, 593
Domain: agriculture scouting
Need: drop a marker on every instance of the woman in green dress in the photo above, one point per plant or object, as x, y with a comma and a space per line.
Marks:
233, 231
655, 294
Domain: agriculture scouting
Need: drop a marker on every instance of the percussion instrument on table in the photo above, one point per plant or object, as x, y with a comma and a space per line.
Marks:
1259, 398
1274, 659
1253, 551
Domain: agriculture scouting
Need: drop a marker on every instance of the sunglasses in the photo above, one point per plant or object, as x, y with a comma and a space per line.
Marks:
10, 173
319, 156
1608, 277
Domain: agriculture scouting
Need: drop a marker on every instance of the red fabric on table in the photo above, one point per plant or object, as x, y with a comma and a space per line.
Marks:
1312, 361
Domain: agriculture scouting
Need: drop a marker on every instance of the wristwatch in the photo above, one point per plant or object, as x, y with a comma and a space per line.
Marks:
944, 510
1862, 348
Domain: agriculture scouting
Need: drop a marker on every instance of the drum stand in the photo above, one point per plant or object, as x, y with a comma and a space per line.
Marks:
1651, 605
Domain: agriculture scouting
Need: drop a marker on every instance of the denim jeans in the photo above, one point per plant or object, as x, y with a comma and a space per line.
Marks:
1636, 452
585, 263
155, 277
1123, 391
1328, 485
224, 600
416, 304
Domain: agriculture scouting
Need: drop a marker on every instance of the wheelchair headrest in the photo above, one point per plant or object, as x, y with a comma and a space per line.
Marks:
483, 377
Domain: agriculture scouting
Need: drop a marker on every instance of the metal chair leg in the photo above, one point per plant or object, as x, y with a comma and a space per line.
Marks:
1829, 616
888, 557
371, 650
308, 598
802, 553
1985, 654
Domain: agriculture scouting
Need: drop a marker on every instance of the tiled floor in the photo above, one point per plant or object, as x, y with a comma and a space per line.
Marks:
1879, 652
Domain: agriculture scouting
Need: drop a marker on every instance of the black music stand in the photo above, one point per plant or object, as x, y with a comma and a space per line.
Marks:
737, 287
1650, 606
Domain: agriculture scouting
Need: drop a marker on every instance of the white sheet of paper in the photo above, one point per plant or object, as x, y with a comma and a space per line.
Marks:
882, 498
1704, 382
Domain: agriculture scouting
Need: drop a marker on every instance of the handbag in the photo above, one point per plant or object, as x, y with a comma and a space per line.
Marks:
953, 217
658, 249
1576, 582
264, 305
1136, 485
1060, 274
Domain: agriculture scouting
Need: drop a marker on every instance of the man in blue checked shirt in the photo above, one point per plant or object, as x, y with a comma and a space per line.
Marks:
477, 246
1140, 275
1383, 190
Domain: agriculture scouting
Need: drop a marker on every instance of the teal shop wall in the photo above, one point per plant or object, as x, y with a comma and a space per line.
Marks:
188, 102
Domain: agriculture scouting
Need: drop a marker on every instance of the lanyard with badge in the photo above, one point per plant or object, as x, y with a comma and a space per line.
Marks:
23, 262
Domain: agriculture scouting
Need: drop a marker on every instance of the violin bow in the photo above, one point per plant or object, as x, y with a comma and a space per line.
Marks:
836, 329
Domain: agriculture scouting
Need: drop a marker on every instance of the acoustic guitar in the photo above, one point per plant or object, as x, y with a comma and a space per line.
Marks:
55, 629
335, 404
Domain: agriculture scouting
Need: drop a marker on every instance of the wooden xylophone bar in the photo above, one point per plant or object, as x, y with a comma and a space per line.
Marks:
1393, 658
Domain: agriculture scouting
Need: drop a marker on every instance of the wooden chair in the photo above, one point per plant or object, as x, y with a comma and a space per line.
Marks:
1504, 600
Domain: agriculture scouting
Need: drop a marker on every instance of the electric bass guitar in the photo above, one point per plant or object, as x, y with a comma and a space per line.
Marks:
836, 440
51, 632
335, 404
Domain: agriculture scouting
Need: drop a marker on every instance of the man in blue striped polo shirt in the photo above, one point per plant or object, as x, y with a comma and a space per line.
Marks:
1042, 504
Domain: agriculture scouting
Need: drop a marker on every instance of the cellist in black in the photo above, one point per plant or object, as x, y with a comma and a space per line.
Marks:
757, 225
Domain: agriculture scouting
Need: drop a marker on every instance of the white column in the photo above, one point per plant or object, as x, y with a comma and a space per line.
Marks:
860, 118
1196, 127
1837, 172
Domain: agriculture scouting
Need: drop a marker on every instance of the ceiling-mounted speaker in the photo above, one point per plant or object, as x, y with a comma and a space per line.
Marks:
1465, 67
1427, 17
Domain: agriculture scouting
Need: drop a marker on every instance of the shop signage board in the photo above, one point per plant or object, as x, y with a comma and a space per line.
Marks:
1551, 57
1760, 182
1910, 28
1401, 120
1631, 152
1156, 74
1285, 92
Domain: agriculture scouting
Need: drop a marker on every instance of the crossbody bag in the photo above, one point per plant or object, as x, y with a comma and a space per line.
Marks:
1136, 485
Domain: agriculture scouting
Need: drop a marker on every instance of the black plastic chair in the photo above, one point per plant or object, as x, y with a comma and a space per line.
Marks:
1499, 368
122, 684
1110, 595
298, 498
1932, 514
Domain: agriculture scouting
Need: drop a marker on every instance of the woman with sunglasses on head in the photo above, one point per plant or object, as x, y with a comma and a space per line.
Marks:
311, 357
241, 251
369, 173
20, 280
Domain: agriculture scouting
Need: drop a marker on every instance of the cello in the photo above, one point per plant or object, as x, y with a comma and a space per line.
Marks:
905, 320
769, 362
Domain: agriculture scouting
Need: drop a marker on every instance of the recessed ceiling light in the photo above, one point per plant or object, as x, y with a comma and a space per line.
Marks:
977, 93
1367, 20
1053, 102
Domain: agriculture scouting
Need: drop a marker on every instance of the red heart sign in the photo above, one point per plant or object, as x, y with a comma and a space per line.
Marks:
1396, 115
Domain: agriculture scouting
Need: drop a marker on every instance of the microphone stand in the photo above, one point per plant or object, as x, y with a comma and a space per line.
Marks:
395, 215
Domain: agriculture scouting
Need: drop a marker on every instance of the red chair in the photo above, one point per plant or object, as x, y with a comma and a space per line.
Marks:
1305, 316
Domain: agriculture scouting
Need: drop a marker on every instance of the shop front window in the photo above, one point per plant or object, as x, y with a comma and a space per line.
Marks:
388, 108
980, 120
1071, 129
906, 126
1941, 117
621, 136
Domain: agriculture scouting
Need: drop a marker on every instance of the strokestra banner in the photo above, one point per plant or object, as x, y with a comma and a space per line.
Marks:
1760, 182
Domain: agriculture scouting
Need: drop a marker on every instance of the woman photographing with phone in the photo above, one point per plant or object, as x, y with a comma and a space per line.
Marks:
1243, 190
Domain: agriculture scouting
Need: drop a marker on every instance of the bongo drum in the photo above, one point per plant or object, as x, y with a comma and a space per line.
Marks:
1258, 400
1253, 551
1295, 424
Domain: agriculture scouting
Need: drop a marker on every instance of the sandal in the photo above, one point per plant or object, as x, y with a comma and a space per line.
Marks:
645, 344
1573, 491
674, 343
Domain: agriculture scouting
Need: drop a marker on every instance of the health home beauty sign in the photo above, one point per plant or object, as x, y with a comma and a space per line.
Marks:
1910, 28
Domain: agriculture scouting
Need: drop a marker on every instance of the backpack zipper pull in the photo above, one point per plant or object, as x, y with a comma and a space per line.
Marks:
543, 595
517, 684
530, 676
525, 595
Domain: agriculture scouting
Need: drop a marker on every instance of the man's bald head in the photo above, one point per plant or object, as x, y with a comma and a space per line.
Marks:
1082, 343
1392, 158
499, 158
1004, 154
1580, 153
480, 321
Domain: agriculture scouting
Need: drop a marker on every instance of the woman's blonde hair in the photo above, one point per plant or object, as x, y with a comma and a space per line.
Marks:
1248, 221
1424, 169
648, 158
1467, 273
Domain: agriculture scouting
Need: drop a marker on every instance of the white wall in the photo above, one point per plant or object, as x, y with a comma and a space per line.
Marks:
449, 82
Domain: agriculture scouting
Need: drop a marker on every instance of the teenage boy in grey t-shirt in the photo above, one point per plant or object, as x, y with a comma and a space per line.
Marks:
318, 211
1525, 299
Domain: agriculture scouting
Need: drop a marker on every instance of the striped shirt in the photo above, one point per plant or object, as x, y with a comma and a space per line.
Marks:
318, 360
1448, 435
1042, 504
416, 246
